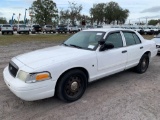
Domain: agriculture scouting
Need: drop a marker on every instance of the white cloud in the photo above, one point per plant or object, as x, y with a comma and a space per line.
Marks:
135, 7
152, 10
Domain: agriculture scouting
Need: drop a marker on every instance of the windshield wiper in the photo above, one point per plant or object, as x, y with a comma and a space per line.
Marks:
65, 44
75, 46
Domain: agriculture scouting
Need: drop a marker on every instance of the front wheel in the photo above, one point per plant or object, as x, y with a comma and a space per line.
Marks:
71, 86
143, 64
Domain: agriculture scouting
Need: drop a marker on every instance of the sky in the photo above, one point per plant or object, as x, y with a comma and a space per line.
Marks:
139, 9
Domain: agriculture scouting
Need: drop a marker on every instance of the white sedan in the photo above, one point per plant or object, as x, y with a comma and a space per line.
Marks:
157, 40
66, 69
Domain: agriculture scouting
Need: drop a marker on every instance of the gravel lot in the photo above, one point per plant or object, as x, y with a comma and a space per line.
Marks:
124, 96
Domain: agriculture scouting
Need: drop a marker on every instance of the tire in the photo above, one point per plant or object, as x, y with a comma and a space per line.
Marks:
143, 64
71, 85
2, 33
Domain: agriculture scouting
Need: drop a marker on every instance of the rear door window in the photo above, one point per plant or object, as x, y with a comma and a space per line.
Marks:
131, 38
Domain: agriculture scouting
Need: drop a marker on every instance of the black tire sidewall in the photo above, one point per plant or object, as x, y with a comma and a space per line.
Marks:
61, 85
139, 67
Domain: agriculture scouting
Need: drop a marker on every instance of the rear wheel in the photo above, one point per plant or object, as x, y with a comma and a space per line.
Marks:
143, 64
71, 86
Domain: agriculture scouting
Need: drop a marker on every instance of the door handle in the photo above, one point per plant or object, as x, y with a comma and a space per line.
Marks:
141, 47
124, 51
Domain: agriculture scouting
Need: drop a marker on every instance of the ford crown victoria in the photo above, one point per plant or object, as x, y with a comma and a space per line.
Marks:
65, 70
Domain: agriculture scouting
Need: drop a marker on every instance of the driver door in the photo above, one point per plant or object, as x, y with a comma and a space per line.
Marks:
112, 60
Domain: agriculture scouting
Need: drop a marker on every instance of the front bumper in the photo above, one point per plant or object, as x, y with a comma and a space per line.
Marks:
29, 91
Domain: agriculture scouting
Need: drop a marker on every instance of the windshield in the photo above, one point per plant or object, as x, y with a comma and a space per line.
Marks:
22, 25
49, 26
85, 40
6, 25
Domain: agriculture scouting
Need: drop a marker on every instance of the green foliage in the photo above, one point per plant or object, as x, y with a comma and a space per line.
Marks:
98, 12
3, 20
72, 13
109, 12
153, 22
45, 11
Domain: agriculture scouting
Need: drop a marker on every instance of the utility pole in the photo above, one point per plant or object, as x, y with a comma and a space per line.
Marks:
25, 17
12, 18
19, 17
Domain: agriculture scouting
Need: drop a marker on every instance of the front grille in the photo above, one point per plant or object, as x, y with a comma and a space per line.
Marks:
13, 69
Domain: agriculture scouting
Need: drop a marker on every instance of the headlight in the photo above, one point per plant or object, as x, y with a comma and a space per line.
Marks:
33, 77
22, 75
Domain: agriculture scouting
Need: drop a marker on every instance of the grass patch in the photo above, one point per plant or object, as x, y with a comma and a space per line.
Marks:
12, 39
149, 37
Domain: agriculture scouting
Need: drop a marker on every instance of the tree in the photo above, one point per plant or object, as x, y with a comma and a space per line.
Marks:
72, 13
153, 22
113, 12
97, 12
45, 11
109, 12
3, 20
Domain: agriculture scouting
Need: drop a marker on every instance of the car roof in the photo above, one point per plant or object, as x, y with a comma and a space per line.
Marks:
108, 29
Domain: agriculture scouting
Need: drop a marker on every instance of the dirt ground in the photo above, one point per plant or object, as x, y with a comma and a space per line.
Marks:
124, 96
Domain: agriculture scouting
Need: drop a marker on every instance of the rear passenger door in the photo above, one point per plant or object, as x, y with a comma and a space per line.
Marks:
134, 48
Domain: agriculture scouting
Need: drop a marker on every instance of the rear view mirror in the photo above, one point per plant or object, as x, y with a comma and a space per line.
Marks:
106, 46
101, 42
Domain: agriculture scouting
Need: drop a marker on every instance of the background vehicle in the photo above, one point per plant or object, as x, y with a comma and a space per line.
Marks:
62, 28
0, 26
49, 28
14, 27
35, 28
73, 28
98, 26
22, 28
157, 40
6, 28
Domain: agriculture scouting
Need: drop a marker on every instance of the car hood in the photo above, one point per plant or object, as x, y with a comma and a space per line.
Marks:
157, 40
52, 55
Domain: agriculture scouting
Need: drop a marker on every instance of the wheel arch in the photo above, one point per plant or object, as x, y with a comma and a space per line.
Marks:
79, 68
148, 53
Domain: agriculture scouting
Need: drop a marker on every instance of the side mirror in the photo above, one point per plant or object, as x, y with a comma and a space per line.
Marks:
101, 42
106, 46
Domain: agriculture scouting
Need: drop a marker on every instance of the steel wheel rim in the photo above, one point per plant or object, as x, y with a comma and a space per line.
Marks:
73, 86
144, 64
